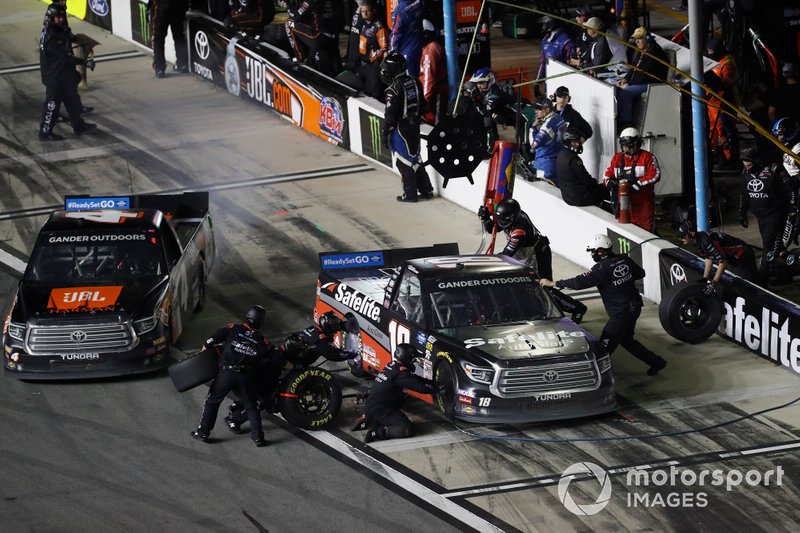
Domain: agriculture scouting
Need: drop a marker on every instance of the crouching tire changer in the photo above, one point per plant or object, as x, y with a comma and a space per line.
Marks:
384, 418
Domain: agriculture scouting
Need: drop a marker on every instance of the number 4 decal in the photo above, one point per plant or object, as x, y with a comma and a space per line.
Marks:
105, 216
398, 334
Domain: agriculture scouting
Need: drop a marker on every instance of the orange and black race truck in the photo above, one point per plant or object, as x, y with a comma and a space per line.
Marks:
495, 342
110, 284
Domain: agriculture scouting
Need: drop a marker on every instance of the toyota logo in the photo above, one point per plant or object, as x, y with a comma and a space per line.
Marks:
78, 336
621, 271
755, 185
677, 274
201, 44
550, 376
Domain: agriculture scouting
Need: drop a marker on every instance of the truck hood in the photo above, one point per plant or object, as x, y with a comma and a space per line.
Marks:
528, 340
45, 299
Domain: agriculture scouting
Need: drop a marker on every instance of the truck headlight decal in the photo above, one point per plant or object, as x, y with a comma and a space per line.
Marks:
144, 325
16, 331
479, 374
604, 363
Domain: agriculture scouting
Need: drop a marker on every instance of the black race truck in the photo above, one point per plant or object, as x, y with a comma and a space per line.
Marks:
496, 343
110, 285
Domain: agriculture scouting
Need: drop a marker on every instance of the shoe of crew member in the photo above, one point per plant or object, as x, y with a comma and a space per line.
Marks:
84, 127
404, 198
235, 428
199, 436
161, 74
51, 137
655, 369
260, 441
426, 196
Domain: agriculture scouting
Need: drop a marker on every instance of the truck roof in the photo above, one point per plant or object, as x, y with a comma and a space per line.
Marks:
78, 220
465, 265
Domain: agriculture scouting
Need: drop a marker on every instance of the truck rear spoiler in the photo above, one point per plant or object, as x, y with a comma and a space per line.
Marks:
177, 205
382, 258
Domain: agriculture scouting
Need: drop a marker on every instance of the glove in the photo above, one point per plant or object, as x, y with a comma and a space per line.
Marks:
710, 287
483, 212
387, 138
89, 63
635, 186
743, 220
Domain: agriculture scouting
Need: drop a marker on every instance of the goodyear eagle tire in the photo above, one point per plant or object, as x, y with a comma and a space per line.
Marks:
445, 380
309, 398
689, 315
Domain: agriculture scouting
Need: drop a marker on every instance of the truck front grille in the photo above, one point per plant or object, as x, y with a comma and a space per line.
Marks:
79, 338
571, 376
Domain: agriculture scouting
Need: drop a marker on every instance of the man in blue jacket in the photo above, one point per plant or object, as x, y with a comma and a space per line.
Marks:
545, 138
407, 37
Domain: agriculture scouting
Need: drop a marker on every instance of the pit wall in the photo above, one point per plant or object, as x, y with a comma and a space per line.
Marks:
758, 320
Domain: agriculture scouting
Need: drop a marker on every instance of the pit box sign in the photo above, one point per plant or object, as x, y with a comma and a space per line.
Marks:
98, 12
760, 321
249, 71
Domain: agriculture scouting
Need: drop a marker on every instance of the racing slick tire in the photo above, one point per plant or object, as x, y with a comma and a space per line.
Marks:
445, 380
194, 370
309, 398
689, 315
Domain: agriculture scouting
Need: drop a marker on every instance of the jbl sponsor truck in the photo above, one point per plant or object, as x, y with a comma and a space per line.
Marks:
109, 286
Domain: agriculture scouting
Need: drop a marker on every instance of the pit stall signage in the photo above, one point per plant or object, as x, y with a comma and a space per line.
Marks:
762, 322
246, 70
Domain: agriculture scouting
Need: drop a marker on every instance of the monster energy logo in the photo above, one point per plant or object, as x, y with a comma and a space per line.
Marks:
144, 24
624, 245
375, 131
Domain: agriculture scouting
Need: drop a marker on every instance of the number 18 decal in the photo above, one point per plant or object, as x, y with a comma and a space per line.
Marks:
398, 334
484, 402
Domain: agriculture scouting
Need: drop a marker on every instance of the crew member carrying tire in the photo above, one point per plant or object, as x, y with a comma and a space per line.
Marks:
384, 417
525, 242
614, 276
243, 349
728, 252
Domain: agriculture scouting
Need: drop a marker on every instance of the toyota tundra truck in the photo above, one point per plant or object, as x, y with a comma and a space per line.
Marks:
110, 285
495, 342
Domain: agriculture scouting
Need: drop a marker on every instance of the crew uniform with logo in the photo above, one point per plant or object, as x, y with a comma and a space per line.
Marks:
387, 394
243, 349
769, 191
168, 15
614, 276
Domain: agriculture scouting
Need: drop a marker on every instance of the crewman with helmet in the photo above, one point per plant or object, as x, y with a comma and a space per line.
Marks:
728, 252
303, 348
525, 241
243, 349
384, 418
615, 276
787, 132
405, 105
494, 103
578, 187
640, 169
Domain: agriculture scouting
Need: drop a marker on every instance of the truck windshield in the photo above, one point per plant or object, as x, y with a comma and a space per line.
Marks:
72, 256
489, 301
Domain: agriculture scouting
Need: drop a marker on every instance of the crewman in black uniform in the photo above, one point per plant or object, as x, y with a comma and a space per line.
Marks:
405, 105
578, 187
168, 15
525, 241
57, 63
728, 252
303, 348
771, 193
243, 349
387, 394
614, 276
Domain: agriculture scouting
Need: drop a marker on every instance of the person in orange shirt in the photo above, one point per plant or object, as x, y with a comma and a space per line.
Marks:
722, 79
433, 75
373, 43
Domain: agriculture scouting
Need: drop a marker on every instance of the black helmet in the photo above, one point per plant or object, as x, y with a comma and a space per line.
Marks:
330, 323
255, 316
393, 65
507, 212
548, 24
686, 227
571, 134
405, 355
751, 154
55, 10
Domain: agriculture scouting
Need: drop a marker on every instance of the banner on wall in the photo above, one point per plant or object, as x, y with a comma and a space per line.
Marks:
371, 137
758, 320
141, 30
98, 12
249, 70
